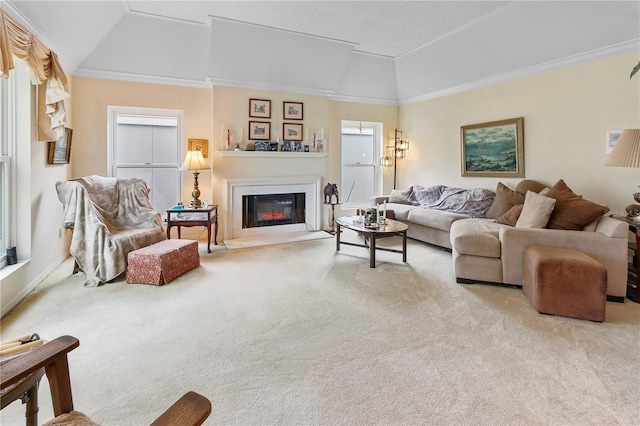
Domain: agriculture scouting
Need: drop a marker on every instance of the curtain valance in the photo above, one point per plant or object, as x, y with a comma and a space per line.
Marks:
44, 70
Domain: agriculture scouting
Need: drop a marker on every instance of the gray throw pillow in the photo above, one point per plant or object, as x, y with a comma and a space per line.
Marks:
401, 196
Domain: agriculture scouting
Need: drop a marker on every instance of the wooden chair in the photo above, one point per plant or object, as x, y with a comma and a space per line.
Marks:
21, 371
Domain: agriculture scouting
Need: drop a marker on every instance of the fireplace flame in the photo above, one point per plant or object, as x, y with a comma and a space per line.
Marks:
274, 216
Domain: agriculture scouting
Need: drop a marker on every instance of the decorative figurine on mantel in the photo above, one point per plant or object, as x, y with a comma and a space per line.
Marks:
331, 198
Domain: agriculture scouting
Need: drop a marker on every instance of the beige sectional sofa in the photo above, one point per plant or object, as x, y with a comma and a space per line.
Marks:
486, 251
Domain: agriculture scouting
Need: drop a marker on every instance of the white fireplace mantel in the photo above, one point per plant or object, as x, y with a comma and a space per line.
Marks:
236, 188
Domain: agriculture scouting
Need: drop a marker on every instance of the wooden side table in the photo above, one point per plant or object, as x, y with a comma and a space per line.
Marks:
633, 280
206, 217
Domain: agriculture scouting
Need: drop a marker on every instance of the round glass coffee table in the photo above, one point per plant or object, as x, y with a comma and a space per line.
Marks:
371, 234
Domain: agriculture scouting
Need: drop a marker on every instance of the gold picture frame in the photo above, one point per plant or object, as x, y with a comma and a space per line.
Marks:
60, 150
201, 145
493, 149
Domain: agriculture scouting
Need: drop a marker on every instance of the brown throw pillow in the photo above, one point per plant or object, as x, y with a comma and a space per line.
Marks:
529, 185
504, 200
511, 217
571, 210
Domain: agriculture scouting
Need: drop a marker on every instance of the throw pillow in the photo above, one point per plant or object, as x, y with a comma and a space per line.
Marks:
572, 211
536, 211
428, 196
511, 217
401, 196
529, 185
504, 200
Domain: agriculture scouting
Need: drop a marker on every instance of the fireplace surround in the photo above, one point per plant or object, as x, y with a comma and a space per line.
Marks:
240, 190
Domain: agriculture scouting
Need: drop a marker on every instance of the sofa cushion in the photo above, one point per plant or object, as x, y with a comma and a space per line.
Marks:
401, 196
536, 211
504, 200
511, 217
476, 237
401, 211
571, 210
438, 219
529, 185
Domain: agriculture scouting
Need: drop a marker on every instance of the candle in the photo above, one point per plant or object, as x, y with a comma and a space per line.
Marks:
314, 138
384, 211
322, 133
228, 138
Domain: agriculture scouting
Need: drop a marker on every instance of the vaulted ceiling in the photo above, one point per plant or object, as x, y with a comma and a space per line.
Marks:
389, 52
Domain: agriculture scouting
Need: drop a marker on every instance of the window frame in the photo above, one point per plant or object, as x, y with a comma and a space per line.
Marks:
7, 171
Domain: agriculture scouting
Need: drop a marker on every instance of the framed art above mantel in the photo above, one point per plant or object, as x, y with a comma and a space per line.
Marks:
493, 149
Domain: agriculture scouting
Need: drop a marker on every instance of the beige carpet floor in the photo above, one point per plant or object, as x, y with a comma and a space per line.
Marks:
297, 334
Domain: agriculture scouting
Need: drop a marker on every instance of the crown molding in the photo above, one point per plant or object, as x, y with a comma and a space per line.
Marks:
215, 81
364, 100
593, 55
142, 78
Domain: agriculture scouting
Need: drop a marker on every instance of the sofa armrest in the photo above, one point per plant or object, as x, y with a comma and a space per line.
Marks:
610, 251
612, 227
380, 199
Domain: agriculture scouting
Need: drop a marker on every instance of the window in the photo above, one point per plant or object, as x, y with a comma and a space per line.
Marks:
146, 143
361, 175
6, 136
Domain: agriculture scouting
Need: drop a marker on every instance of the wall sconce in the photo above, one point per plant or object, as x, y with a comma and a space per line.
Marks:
195, 161
398, 151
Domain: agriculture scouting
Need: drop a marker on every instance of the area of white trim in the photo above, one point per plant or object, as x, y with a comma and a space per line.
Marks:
225, 82
235, 188
271, 154
142, 78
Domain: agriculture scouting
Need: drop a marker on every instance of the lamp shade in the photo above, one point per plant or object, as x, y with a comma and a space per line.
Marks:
194, 161
626, 152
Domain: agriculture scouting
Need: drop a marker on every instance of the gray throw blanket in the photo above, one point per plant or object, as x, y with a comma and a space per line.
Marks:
110, 217
472, 202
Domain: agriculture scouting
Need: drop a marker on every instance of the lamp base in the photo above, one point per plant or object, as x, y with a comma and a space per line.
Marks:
195, 203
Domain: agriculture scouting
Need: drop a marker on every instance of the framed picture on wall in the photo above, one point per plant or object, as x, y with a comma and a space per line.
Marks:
292, 131
60, 150
292, 110
493, 149
199, 145
260, 130
260, 108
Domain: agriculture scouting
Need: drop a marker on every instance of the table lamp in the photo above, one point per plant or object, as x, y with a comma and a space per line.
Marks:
626, 153
195, 161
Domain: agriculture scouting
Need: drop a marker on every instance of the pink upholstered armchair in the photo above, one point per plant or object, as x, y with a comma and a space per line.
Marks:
110, 217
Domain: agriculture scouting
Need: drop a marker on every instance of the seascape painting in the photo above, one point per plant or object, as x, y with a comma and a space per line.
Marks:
493, 149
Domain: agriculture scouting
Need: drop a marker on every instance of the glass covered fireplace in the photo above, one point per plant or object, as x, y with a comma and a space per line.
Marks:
273, 209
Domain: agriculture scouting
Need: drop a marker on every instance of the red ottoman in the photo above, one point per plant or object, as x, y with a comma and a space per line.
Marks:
162, 262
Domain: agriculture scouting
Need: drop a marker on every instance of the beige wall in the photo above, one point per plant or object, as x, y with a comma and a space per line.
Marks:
566, 116
321, 115
90, 100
